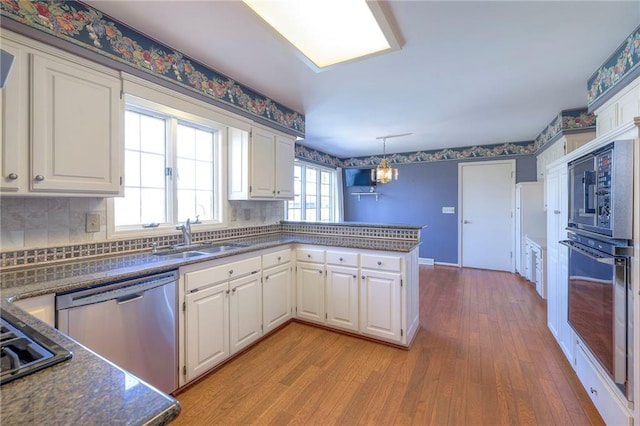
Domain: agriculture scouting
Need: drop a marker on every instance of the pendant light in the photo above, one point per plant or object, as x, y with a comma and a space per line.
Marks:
385, 173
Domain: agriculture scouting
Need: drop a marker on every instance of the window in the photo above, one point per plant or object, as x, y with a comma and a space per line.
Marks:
314, 194
171, 164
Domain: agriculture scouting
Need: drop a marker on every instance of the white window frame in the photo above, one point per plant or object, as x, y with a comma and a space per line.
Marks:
176, 116
333, 194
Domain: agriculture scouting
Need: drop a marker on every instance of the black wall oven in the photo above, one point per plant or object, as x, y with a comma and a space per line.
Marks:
599, 234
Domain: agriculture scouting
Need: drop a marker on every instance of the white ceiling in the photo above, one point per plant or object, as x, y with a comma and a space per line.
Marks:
468, 73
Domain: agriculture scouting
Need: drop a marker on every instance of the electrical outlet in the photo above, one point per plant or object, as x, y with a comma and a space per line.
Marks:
93, 222
449, 210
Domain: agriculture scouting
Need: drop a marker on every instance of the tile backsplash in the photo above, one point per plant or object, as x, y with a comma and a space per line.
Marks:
32, 223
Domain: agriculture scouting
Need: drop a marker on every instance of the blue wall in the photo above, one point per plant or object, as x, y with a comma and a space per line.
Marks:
417, 197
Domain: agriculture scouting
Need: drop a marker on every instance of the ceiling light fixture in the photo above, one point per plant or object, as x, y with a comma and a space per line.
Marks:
328, 32
385, 173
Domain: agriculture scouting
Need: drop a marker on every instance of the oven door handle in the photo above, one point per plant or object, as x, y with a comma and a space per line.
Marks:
609, 260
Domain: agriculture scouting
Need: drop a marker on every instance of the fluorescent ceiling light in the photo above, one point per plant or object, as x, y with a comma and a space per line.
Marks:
328, 32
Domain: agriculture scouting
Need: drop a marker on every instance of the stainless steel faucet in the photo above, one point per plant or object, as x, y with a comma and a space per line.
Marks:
186, 232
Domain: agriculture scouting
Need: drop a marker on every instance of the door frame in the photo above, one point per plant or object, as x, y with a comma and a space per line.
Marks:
512, 163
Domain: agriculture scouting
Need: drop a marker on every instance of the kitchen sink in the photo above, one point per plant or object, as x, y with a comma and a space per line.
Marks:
181, 255
220, 248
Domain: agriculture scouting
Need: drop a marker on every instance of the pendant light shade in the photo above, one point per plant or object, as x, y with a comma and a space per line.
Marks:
384, 173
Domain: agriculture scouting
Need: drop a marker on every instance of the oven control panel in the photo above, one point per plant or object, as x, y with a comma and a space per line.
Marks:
603, 189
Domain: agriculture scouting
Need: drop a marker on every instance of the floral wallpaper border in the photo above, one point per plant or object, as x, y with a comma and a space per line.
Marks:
623, 63
566, 121
86, 27
464, 153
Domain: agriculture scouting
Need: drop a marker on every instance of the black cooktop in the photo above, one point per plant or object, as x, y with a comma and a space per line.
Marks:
24, 350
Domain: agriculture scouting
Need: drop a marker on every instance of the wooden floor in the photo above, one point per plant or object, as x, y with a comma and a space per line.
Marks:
483, 356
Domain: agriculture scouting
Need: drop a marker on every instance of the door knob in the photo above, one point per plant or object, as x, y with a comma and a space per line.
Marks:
12, 176
39, 178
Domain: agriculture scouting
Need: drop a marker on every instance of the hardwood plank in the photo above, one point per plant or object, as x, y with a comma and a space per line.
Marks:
483, 356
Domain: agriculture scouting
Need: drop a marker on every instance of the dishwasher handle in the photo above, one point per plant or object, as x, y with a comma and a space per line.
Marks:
121, 291
131, 298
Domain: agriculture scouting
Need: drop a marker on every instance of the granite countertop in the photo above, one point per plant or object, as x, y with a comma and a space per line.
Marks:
89, 389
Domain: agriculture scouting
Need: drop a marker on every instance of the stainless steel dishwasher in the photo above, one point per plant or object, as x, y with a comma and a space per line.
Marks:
131, 323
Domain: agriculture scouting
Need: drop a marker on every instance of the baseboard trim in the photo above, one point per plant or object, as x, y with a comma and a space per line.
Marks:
426, 261
457, 265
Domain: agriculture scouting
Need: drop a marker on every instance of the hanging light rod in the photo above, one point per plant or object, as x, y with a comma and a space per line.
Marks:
394, 136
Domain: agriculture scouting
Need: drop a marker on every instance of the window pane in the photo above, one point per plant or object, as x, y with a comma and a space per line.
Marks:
132, 130
204, 145
131, 168
127, 208
152, 134
153, 205
186, 174
152, 170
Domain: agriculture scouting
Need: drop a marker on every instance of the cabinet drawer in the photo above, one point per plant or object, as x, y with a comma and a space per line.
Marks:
276, 258
310, 255
385, 263
609, 407
342, 258
215, 274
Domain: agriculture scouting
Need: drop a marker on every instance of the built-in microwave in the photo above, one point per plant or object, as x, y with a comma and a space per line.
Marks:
600, 184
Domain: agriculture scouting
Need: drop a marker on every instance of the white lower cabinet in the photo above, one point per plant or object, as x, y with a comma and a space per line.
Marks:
245, 312
277, 289
380, 314
41, 307
222, 312
276, 296
310, 294
342, 297
611, 407
207, 329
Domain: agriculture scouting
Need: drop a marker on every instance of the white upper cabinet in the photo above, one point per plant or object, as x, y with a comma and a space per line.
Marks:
260, 164
14, 116
76, 128
62, 121
620, 109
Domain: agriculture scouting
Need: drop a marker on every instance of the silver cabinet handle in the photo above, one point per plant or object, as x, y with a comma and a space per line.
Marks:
341, 259
12, 176
557, 212
230, 271
309, 256
465, 222
363, 277
279, 257
354, 276
39, 178
234, 290
320, 272
593, 391
227, 291
379, 263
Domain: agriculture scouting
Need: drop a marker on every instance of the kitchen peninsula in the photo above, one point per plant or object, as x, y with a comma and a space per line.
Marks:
88, 389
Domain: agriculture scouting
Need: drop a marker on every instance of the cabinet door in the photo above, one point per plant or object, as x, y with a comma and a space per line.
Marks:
76, 128
41, 307
342, 297
238, 153
276, 297
262, 164
14, 121
284, 156
310, 284
207, 325
380, 305
245, 311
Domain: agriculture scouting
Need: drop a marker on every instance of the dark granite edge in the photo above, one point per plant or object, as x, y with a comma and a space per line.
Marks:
158, 264
355, 225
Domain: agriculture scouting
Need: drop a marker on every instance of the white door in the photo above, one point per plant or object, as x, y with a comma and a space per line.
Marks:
262, 164
310, 281
380, 314
487, 193
342, 297
245, 311
284, 156
207, 324
276, 297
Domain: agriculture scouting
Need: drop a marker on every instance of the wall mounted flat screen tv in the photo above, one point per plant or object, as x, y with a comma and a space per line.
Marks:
358, 177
